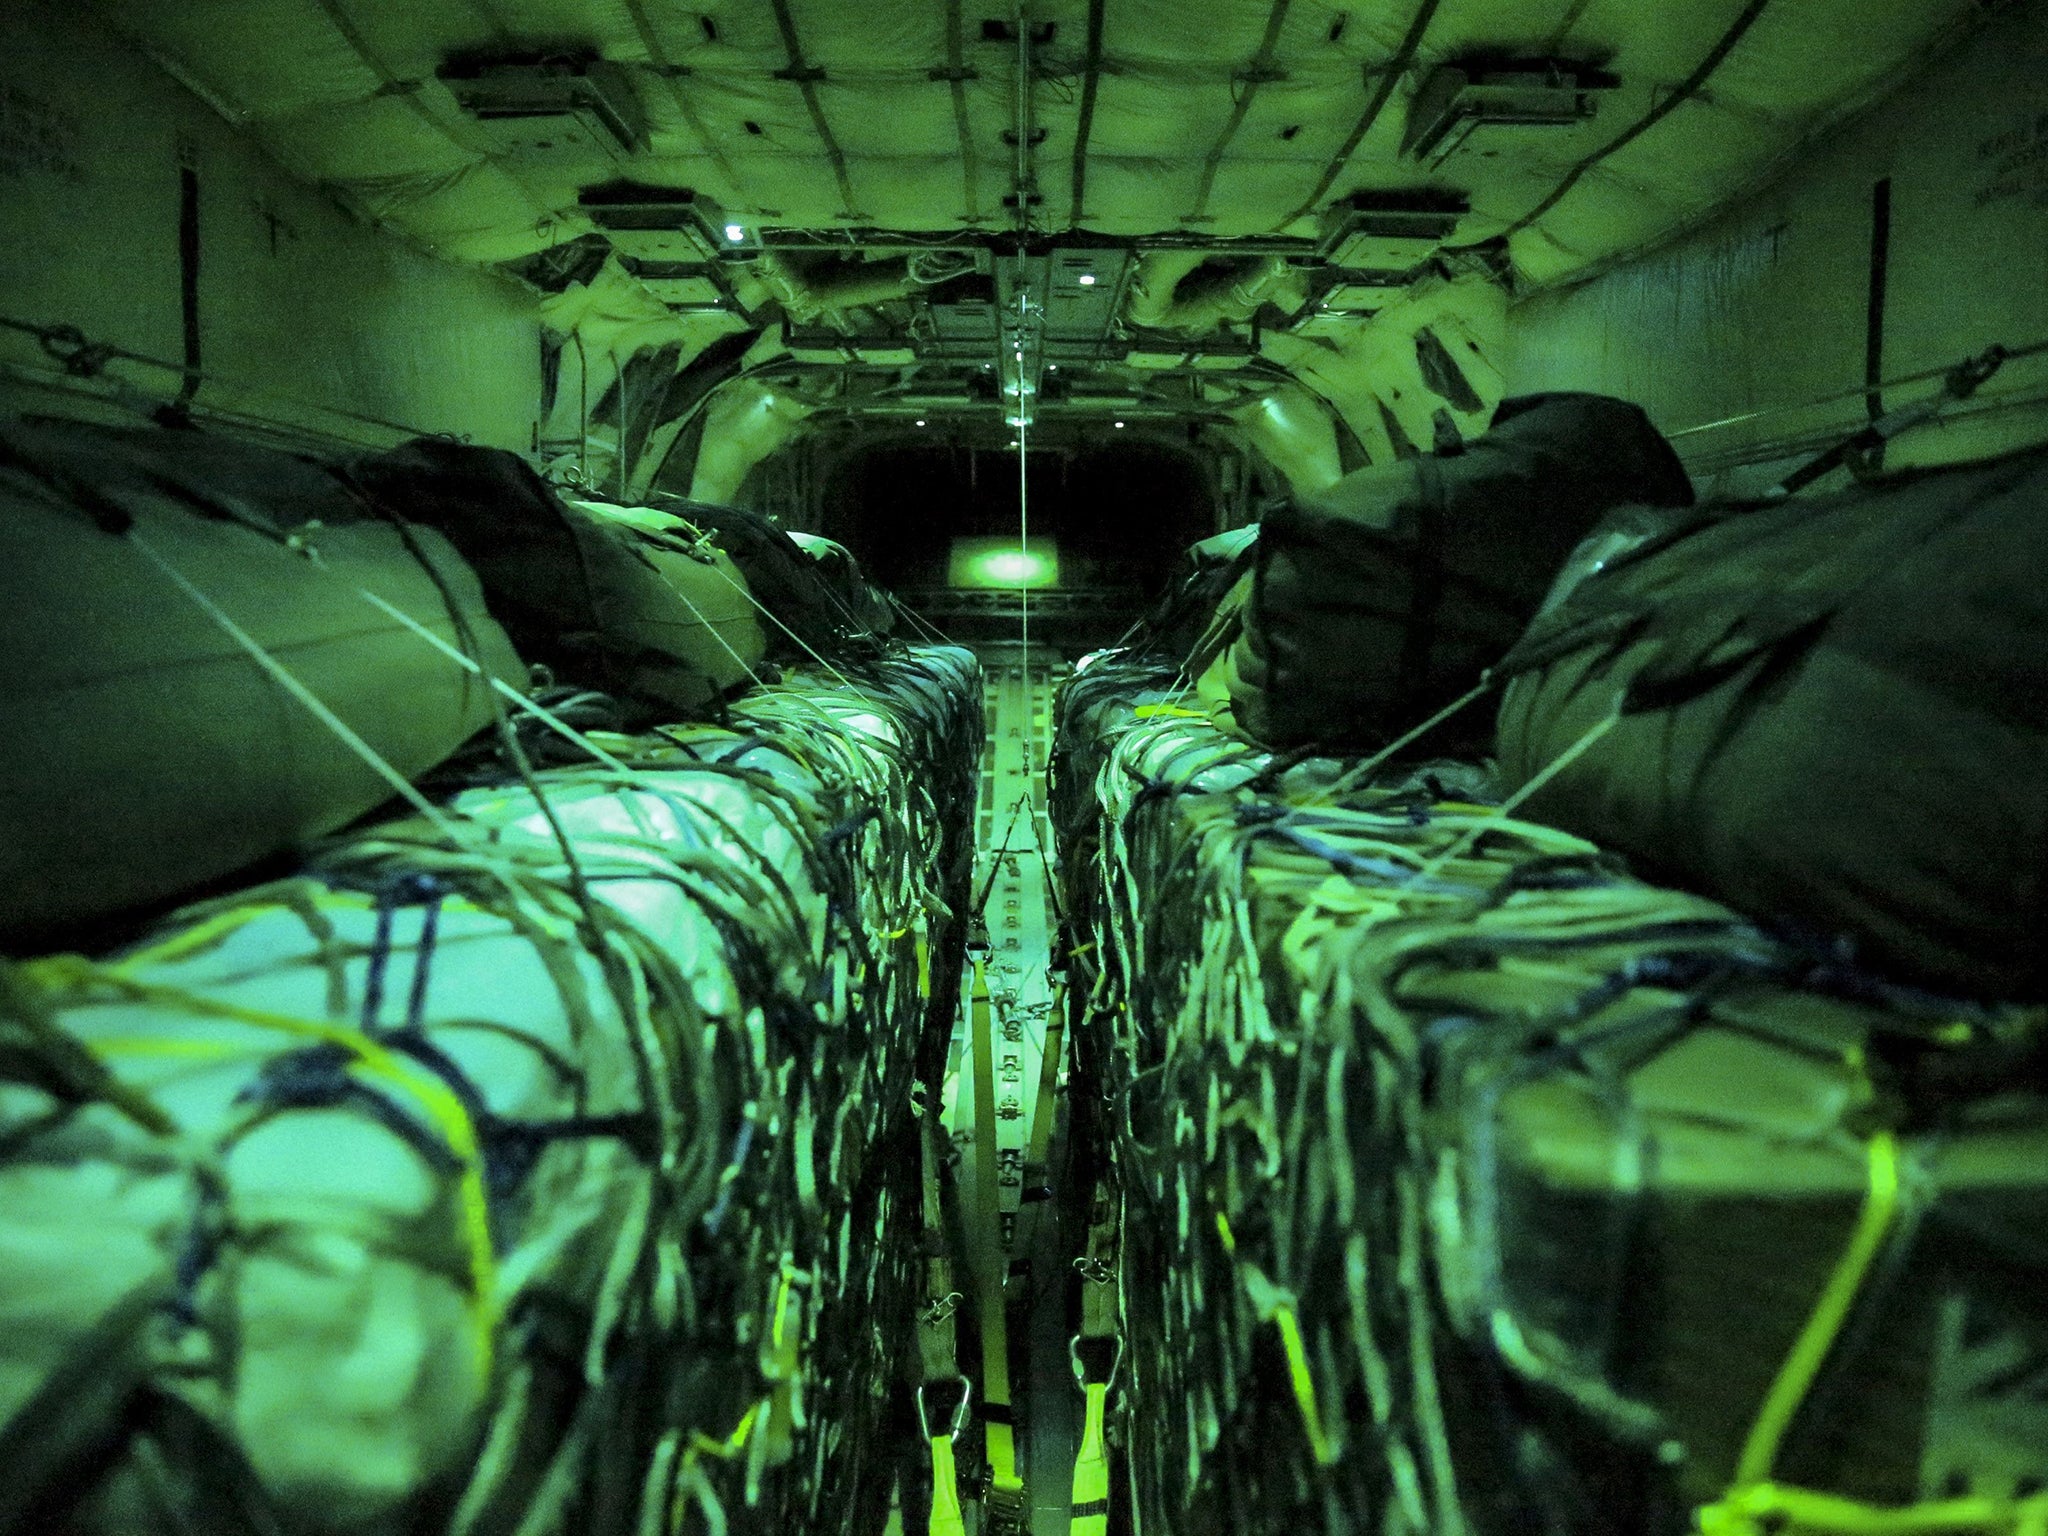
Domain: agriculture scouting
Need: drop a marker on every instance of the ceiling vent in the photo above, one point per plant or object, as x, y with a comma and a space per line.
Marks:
1457, 98
829, 347
1365, 292
680, 284
1385, 232
817, 347
664, 224
575, 103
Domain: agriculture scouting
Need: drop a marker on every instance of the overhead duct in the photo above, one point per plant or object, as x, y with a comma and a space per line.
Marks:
810, 286
1454, 99
1296, 432
563, 105
748, 420
1197, 292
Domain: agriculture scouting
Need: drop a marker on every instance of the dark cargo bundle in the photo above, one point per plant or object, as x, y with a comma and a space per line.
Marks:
1831, 711
653, 618
1181, 621
1474, 1185
859, 601
147, 748
1382, 599
808, 618
449, 1187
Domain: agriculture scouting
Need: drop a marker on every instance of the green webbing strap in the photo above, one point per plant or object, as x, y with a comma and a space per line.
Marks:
1755, 1505
1277, 1307
1005, 1502
946, 1519
1095, 1351
938, 1364
1037, 1152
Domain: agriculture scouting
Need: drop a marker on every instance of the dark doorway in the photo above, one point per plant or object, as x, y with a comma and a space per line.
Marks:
1121, 514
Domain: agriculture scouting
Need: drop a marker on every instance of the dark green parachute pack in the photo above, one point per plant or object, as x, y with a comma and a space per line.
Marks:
1383, 598
145, 749
813, 611
1830, 711
659, 620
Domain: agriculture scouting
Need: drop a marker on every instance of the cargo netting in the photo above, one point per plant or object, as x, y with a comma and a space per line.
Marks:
559, 1178
1470, 1183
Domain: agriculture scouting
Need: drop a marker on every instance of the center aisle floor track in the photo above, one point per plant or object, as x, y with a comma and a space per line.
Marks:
1021, 1249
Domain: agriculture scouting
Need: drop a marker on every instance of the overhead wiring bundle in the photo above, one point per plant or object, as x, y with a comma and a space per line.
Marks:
1471, 1183
519, 1168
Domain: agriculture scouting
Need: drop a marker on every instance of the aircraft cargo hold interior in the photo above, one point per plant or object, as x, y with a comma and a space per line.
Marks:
1070, 768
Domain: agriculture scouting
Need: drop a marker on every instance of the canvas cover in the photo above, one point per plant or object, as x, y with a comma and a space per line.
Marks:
1832, 711
865, 604
1471, 1184
808, 615
1196, 611
658, 619
1383, 598
145, 751
417, 1193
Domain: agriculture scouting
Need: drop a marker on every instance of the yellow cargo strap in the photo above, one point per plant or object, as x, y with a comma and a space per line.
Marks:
1779, 1511
1005, 1501
1756, 1506
1278, 1308
1096, 1353
1048, 1085
67, 980
690, 1480
935, 1329
1088, 1513
947, 1519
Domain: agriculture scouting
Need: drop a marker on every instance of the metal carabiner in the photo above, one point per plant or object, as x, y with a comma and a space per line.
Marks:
959, 1410
1081, 1376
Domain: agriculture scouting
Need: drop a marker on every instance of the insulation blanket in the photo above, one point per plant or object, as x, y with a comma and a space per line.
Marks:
521, 1182
1471, 1184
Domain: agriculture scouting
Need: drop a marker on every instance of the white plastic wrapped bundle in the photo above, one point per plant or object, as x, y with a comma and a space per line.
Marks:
514, 1187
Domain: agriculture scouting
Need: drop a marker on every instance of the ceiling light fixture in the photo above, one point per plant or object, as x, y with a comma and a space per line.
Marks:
920, 421
735, 233
1119, 423
1087, 279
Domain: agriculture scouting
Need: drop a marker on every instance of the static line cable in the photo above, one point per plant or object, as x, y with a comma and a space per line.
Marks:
83, 358
746, 592
1357, 775
456, 835
291, 684
505, 690
702, 537
1857, 391
1959, 383
1500, 813
1023, 486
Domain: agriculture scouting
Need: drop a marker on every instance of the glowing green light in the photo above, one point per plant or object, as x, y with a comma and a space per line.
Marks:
1000, 563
